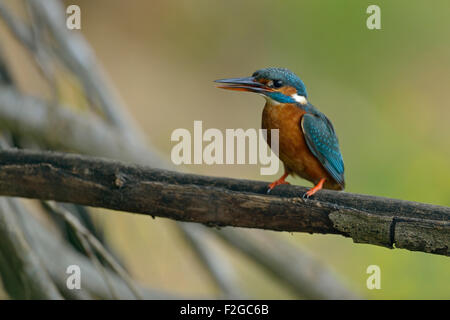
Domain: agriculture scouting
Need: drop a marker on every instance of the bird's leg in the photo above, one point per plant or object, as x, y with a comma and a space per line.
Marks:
314, 189
279, 181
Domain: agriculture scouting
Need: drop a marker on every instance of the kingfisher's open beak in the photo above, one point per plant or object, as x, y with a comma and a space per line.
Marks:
244, 84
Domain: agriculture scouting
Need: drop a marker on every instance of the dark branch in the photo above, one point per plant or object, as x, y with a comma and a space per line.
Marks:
223, 202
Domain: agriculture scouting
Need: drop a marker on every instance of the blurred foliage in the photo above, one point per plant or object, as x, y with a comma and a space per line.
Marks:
386, 92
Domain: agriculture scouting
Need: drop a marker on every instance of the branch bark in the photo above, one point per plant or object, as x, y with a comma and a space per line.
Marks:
222, 201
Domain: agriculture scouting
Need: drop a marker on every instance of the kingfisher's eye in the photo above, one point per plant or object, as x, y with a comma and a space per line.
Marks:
277, 83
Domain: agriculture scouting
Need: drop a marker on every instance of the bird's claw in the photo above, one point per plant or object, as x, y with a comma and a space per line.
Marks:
308, 194
274, 184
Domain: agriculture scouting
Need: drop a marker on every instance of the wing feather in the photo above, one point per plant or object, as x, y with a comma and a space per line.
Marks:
323, 143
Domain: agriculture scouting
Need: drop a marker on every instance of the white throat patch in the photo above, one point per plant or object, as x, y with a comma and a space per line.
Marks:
299, 99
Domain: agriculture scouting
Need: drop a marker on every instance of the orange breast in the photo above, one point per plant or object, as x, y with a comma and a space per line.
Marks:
293, 150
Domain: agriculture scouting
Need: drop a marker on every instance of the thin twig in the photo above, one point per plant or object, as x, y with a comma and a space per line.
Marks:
96, 262
73, 221
47, 245
27, 36
69, 218
24, 276
218, 267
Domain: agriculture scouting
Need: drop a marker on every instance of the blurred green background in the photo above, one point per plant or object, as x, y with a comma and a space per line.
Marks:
386, 91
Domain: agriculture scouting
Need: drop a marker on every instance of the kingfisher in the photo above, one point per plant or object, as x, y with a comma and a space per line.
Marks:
308, 144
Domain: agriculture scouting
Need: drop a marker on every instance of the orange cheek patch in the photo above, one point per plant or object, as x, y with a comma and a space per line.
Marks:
287, 90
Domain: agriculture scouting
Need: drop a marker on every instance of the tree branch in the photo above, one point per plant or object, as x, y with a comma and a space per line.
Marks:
222, 201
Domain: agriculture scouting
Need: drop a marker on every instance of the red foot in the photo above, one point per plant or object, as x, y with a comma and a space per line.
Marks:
313, 190
278, 182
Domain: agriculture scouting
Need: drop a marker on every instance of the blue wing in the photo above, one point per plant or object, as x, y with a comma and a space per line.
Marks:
323, 143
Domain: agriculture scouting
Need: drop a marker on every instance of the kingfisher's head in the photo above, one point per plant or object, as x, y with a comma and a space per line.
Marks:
275, 84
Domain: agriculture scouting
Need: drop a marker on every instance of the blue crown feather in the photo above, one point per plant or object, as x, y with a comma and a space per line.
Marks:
288, 77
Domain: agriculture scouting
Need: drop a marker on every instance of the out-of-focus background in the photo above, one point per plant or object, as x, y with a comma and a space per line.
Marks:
386, 92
